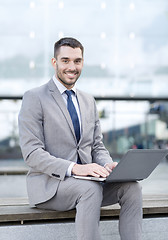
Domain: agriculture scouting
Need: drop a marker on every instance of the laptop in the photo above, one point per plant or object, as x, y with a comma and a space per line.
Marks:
135, 165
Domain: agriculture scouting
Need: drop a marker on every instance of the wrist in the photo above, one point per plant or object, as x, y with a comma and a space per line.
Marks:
69, 170
73, 169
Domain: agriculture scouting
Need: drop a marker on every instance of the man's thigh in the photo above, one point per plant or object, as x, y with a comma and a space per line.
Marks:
69, 193
112, 192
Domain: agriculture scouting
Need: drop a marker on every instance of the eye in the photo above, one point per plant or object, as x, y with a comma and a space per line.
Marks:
78, 61
65, 61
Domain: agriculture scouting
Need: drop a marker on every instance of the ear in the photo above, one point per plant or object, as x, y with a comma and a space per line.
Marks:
53, 62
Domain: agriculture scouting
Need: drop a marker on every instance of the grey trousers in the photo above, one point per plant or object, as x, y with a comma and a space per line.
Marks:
88, 197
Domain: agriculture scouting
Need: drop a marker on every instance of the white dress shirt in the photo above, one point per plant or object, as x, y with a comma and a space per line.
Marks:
62, 90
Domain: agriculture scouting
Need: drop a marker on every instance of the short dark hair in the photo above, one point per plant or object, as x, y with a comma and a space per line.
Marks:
67, 41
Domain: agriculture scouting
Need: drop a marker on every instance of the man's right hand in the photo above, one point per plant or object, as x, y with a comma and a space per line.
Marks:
91, 169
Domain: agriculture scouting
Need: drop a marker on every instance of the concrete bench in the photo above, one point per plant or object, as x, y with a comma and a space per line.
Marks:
18, 210
13, 170
18, 221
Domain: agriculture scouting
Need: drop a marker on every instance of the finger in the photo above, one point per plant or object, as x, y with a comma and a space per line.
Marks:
102, 172
108, 169
95, 174
111, 165
97, 170
114, 165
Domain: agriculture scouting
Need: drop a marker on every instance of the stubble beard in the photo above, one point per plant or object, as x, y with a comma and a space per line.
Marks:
62, 80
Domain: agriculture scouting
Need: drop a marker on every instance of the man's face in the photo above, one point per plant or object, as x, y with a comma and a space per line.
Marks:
68, 65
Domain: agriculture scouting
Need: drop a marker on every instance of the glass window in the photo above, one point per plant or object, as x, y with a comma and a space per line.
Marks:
125, 44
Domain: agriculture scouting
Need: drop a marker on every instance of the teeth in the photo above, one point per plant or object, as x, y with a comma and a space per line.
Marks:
71, 74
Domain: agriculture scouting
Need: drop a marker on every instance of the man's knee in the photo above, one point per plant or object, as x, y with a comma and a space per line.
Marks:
92, 190
133, 188
131, 191
136, 189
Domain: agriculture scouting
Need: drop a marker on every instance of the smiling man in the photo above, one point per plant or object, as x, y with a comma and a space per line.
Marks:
60, 136
68, 69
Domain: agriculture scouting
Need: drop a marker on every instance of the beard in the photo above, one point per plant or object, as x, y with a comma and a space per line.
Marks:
62, 76
65, 82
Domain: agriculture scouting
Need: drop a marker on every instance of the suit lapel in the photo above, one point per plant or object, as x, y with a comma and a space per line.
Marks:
83, 111
60, 102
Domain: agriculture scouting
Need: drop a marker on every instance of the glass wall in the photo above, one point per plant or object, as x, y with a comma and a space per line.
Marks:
133, 125
9, 139
126, 44
125, 125
126, 55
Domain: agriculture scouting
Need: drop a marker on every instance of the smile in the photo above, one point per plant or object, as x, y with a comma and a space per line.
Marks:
70, 74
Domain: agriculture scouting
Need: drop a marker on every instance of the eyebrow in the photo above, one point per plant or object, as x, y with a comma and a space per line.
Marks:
79, 59
66, 58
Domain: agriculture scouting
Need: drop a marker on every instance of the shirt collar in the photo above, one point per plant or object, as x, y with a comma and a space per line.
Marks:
61, 87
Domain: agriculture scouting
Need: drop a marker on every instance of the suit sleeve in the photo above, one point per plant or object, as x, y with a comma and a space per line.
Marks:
32, 139
100, 154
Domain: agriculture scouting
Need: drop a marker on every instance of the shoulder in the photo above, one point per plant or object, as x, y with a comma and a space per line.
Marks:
37, 92
85, 95
86, 100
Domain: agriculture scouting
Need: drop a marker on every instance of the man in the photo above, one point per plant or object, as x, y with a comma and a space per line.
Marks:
60, 136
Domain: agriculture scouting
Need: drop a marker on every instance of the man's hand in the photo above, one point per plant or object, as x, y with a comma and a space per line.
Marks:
91, 169
110, 166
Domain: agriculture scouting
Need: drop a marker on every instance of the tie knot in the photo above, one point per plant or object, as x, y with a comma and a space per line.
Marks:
68, 93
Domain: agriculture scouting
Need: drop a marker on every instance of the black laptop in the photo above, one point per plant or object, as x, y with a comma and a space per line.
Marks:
135, 165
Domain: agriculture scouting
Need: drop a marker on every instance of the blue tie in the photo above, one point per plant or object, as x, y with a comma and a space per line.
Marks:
74, 117
73, 114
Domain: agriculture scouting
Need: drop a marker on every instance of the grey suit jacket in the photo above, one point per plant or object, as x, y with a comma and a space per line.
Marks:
48, 141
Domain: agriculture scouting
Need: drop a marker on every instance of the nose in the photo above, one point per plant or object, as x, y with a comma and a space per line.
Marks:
71, 66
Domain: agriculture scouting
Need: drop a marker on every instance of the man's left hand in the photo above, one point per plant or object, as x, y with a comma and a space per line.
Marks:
110, 166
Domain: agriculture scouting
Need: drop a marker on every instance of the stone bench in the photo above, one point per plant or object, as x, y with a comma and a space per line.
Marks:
13, 170
18, 210
18, 221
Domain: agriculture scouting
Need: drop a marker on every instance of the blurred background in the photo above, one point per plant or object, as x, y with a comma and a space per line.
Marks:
126, 68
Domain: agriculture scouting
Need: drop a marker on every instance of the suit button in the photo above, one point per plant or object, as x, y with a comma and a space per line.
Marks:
55, 175
77, 147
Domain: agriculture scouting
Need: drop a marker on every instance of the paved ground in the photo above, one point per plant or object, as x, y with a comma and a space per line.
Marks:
153, 229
